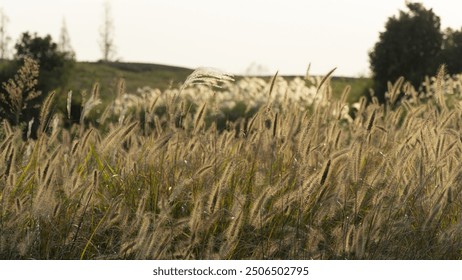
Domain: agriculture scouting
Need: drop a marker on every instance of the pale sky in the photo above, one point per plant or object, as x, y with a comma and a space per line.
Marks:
283, 35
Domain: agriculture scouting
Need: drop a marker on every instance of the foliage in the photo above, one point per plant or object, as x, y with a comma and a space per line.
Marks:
292, 181
451, 54
410, 47
55, 66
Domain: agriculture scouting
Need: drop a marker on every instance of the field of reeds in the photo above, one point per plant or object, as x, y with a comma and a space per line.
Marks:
219, 169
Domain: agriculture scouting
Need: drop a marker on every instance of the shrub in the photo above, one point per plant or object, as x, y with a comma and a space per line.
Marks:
410, 46
55, 66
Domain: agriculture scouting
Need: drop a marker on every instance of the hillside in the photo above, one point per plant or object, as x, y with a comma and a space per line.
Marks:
137, 75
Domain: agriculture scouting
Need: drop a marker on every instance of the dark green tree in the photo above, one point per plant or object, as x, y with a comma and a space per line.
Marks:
451, 53
55, 66
410, 46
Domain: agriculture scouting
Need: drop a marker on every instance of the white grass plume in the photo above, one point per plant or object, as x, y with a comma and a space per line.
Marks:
207, 76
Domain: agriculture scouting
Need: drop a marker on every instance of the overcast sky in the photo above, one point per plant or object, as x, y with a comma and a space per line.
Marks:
283, 35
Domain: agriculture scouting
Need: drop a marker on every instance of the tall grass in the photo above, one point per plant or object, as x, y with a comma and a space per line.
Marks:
290, 181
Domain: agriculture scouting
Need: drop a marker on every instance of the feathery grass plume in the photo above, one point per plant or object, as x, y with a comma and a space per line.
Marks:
357, 162
447, 119
325, 172
305, 124
251, 122
273, 80
20, 91
395, 90
85, 138
435, 210
275, 124
448, 150
29, 128
74, 147
45, 110
370, 122
69, 103
307, 73
7, 128
207, 76
362, 106
395, 117
95, 179
439, 90
199, 119
203, 170
342, 105
120, 88
9, 160
162, 141
18, 205
108, 111
219, 188
450, 196
214, 198
324, 79
332, 129
93, 101
119, 134
153, 105
259, 208
7, 142
158, 126
345, 94
44, 173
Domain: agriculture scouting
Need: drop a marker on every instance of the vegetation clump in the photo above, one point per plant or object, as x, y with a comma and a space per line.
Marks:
289, 180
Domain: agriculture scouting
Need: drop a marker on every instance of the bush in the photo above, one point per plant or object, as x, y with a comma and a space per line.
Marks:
55, 66
451, 54
409, 47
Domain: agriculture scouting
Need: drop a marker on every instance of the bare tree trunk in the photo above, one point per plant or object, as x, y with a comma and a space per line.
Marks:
64, 44
107, 34
4, 38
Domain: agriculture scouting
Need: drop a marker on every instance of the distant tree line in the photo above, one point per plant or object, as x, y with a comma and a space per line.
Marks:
38, 66
414, 46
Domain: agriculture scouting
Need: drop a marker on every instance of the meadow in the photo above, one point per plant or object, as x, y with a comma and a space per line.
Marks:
220, 168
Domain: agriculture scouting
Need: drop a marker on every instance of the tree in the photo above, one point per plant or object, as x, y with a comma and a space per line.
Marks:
451, 53
107, 34
64, 44
409, 47
4, 38
255, 69
55, 65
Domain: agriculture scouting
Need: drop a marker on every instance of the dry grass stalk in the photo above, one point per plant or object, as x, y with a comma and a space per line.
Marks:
300, 183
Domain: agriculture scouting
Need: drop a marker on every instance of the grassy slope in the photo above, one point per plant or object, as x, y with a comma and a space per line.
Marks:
135, 74
359, 87
162, 76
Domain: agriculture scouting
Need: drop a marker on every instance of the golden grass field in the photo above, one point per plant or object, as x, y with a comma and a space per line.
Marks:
177, 174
